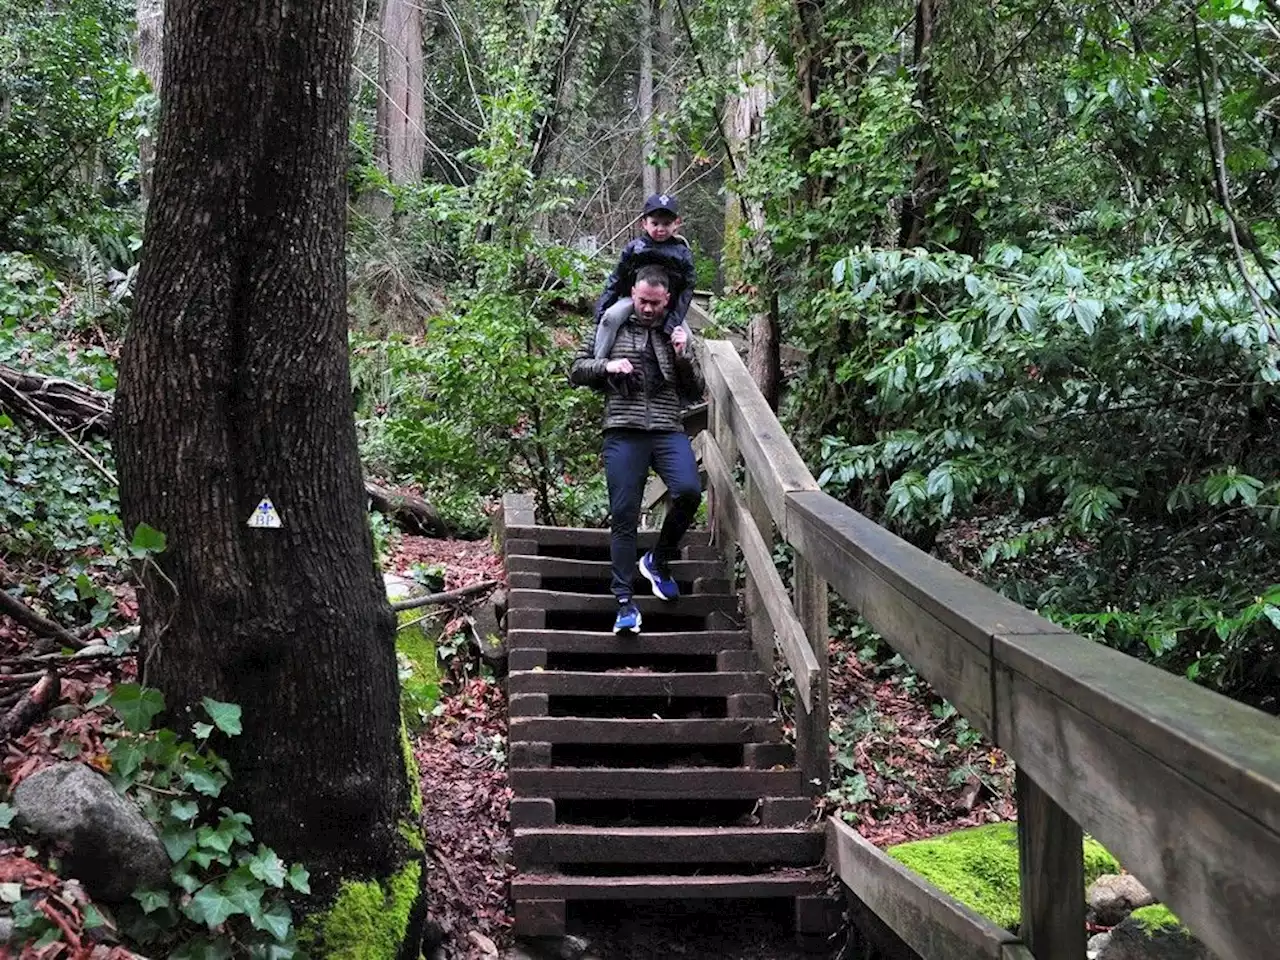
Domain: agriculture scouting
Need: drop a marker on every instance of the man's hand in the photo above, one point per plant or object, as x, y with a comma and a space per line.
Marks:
618, 366
679, 339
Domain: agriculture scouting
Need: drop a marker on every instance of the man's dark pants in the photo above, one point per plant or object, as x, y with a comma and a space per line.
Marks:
628, 454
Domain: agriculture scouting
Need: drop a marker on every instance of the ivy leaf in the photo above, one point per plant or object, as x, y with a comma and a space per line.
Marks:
268, 867
184, 809
299, 879
137, 706
147, 539
10, 892
276, 920
127, 757
7, 813
225, 716
178, 842
204, 781
151, 900
210, 906
1272, 613
202, 730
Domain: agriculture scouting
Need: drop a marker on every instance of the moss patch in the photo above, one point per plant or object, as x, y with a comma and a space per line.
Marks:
368, 919
419, 667
411, 770
1155, 918
979, 867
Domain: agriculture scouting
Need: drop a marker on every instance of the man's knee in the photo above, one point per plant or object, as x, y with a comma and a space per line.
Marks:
687, 498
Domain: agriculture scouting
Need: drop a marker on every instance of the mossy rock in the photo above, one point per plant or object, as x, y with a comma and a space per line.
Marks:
419, 666
979, 867
1156, 918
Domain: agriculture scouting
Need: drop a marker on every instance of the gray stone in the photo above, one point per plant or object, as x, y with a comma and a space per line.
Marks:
572, 948
1132, 940
1112, 897
1097, 943
6, 930
110, 847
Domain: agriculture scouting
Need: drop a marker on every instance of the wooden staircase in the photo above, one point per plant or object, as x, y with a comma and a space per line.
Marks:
649, 767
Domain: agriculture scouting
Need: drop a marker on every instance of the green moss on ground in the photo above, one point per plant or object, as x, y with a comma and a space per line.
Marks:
1155, 918
419, 667
979, 867
368, 919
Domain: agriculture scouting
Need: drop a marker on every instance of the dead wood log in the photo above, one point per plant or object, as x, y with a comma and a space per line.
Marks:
70, 404
433, 598
42, 695
23, 615
412, 513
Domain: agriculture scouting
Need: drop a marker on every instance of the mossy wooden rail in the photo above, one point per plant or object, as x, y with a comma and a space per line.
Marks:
1183, 785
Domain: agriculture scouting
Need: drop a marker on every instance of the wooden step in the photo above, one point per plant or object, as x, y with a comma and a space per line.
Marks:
644, 783
565, 683
692, 642
694, 605
620, 732
685, 571
544, 846
597, 537
787, 882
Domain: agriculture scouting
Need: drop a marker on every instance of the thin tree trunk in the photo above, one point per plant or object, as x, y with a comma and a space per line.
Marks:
664, 51
648, 145
915, 205
150, 60
234, 387
401, 142
764, 355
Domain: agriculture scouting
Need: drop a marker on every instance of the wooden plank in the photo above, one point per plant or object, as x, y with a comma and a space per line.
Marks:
691, 642
787, 883
596, 537
958, 669
770, 458
773, 595
1215, 866
1230, 749
813, 733
1051, 875
647, 731
557, 683
930, 922
685, 783
694, 605
965, 606
573, 844
764, 639
683, 570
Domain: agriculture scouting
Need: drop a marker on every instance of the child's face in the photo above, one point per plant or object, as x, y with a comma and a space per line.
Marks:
661, 226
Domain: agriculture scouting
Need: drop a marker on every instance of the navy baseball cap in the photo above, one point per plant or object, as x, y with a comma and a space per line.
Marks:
661, 201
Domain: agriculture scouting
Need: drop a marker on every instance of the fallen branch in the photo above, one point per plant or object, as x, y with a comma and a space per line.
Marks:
70, 659
72, 404
410, 512
445, 597
34, 702
20, 613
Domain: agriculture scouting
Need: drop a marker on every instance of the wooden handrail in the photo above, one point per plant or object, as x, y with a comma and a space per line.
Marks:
1179, 782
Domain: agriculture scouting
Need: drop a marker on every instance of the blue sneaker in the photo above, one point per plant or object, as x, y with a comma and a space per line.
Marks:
664, 588
627, 620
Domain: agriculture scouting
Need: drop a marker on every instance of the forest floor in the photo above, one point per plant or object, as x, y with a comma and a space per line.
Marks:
906, 767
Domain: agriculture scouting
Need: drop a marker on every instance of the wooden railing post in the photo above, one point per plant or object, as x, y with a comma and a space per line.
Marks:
813, 735
758, 621
1051, 875
720, 500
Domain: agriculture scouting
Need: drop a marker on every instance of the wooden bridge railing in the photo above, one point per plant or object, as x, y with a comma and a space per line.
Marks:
1183, 785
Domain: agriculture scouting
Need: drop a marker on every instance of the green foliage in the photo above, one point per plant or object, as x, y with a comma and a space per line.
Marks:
368, 919
979, 867
73, 106
228, 895
419, 667
1156, 918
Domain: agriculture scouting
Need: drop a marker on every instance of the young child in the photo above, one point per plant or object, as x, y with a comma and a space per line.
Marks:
659, 246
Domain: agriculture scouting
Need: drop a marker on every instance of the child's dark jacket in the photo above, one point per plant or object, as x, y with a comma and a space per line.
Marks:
673, 255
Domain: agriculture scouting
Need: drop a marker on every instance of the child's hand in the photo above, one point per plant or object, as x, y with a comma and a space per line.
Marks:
618, 366
679, 339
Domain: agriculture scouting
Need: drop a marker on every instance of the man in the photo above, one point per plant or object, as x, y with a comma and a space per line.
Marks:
643, 372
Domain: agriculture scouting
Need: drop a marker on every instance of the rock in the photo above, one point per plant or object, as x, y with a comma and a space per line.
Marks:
572, 948
1097, 943
6, 930
401, 588
111, 848
1112, 897
1153, 933
486, 946
488, 639
517, 952
93, 650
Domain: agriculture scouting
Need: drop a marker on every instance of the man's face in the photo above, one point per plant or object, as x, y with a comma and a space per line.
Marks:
650, 301
660, 225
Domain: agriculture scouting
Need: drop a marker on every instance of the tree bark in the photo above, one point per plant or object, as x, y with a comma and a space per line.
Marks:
648, 145
235, 386
664, 53
764, 359
150, 60
401, 144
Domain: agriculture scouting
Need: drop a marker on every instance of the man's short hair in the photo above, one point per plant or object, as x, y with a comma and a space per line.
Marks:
655, 276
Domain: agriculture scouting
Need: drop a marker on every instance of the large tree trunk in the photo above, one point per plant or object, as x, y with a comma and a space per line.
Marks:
234, 387
150, 60
402, 141
648, 145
